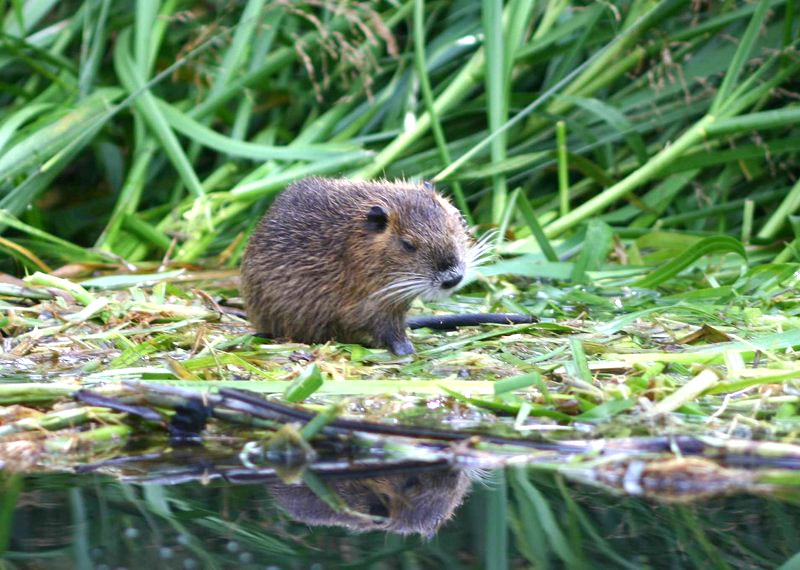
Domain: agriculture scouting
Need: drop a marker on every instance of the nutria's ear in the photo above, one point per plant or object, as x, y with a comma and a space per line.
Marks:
427, 185
377, 218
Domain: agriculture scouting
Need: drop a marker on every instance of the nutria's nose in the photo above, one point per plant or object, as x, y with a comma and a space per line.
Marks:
452, 282
447, 263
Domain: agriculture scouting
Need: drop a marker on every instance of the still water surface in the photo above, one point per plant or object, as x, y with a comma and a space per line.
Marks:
428, 519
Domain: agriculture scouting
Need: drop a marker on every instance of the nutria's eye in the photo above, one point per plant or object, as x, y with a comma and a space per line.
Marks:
377, 219
408, 246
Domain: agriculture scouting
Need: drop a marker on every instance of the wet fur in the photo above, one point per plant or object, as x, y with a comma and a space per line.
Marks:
411, 503
323, 264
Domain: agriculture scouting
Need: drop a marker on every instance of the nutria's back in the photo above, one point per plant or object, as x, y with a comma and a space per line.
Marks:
341, 259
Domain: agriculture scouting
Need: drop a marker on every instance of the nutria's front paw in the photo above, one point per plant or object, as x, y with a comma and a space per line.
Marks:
401, 346
392, 335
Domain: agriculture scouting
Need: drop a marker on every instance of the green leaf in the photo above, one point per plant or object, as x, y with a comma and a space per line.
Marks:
235, 55
740, 57
792, 564
529, 215
773, 119
25, 16
10, 125
616, 119
497, 94
146, 103
11, 485
90, 65
207, 137
496, 512
533, 498
308, 382
579, 360
269, 185
597, 244
512, 164
6, 219
713, 244
529, 266
606, 410
43, 144
125, 281
516, 382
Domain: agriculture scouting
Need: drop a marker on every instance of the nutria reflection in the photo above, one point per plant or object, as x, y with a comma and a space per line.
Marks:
409, 503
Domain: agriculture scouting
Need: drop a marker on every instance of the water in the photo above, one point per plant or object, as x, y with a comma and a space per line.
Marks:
514, 518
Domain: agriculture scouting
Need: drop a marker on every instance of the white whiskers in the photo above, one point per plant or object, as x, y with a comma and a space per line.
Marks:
405, 289
481, 251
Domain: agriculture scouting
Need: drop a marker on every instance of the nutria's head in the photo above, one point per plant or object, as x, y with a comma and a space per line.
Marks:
421, 242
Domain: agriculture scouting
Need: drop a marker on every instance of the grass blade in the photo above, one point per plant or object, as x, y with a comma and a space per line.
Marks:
207, 137
308, 382
714, 244
427, 95
740, 58
147, 105
47, 141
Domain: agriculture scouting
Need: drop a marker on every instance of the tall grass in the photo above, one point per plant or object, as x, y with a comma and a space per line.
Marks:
133, 129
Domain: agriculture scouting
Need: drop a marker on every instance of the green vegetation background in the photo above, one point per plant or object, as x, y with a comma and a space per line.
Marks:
133, 129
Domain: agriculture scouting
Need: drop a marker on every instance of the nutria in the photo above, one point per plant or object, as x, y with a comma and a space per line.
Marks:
400, 503
343, 259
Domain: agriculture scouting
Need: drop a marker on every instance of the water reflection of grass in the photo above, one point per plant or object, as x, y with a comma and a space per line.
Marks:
512, 520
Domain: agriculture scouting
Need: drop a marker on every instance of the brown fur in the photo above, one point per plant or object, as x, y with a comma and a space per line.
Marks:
409, 503
317, 267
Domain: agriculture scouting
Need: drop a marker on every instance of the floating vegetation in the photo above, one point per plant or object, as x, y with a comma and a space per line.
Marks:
644, 394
